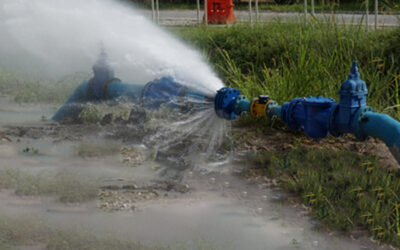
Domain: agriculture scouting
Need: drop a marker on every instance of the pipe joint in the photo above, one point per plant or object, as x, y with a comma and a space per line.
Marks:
293, 113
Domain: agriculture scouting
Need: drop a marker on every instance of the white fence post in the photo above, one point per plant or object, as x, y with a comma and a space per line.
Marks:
257, 12
152, 10
158, 11
366, 14
205, 12
250, 17
305, 10
312, 8
376, 14
198, 12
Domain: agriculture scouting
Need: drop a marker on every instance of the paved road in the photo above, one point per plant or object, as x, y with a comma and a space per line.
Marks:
188, 17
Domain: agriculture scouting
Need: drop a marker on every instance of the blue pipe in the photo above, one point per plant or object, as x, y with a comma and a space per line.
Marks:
84, 93
74, 104
129, 92
384, 127
320, 116
164, 91
104, 86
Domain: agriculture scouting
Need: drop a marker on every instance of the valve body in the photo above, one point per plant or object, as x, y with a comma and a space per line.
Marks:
320, 116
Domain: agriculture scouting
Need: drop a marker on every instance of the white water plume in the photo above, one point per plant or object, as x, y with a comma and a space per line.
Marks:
60, 37
204, 130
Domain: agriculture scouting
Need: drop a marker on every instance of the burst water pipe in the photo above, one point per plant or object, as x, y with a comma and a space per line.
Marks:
164, 91
320, 116
105, 87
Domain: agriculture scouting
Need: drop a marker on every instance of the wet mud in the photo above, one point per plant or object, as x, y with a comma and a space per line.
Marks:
155, 182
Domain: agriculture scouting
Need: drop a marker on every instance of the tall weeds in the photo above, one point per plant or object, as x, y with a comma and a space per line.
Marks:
287, 60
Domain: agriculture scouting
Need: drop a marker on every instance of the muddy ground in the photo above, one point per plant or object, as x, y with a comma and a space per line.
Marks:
164, 182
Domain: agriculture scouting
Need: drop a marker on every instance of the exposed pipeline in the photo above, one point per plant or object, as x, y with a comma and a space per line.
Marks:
320, 116
104, 86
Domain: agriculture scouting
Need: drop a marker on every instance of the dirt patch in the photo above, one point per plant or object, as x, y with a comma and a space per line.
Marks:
246, 140
124, 195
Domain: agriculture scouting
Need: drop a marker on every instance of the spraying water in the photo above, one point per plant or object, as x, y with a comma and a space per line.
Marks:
57, 37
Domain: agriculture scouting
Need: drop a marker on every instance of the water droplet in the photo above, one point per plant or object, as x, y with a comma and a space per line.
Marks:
226, 184
190, 174
264, 198
259, 210
315, 243
244, 194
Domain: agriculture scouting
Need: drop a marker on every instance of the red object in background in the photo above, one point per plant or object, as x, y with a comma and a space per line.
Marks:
220, 11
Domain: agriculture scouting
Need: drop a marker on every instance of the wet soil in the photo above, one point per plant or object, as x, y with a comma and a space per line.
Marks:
282, 140
172, 195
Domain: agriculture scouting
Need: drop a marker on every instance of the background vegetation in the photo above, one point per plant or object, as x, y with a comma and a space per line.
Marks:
290, 60
287, 60
388, 6
344, 189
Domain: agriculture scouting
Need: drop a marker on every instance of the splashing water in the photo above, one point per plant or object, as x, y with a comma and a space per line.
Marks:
192, 133
58, 37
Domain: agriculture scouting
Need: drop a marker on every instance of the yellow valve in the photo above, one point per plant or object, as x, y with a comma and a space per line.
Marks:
258, 108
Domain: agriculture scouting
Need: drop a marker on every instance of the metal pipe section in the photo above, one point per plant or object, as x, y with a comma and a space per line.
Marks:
86, 92
103, 86
74, 104
164, 91
384, 127
320, 116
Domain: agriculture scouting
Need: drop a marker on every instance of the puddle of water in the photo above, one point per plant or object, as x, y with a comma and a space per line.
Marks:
221, 209
12, 113
223, 222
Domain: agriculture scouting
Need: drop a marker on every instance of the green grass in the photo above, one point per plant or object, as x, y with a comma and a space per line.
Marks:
66, 187
290, 60
343, 189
